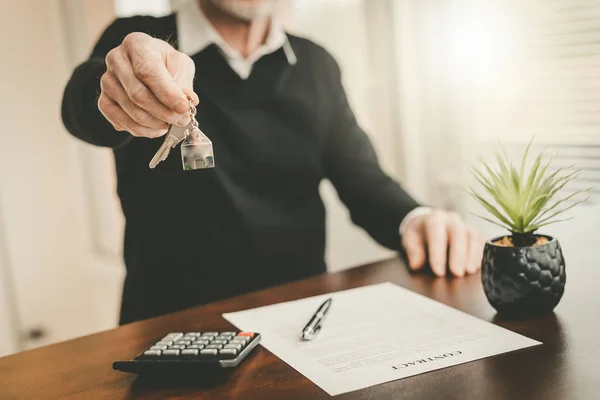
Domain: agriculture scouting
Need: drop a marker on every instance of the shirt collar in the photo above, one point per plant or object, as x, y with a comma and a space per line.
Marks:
196, 33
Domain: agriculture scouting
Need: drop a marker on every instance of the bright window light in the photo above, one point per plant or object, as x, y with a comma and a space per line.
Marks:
482, 39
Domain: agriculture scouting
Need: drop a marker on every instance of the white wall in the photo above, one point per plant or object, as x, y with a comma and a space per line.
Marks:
8, 310
60, 285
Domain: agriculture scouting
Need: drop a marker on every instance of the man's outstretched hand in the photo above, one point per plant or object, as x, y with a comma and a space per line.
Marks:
146, 85
442, 238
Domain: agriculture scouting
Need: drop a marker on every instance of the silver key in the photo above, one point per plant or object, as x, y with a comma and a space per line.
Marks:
173, 137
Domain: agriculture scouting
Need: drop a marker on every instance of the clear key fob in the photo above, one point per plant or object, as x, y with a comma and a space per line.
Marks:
197, 151
196, 148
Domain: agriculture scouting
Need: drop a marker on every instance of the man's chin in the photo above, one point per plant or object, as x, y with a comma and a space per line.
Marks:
246, 10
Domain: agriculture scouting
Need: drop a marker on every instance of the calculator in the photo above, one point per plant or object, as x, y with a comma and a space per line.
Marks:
185, 352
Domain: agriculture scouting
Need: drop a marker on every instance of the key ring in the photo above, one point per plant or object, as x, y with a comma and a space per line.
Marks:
192, 111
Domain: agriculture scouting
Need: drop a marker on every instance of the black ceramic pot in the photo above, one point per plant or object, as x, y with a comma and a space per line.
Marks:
523, 281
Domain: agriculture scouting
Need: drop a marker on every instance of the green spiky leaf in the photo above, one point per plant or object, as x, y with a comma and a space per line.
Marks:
524, 201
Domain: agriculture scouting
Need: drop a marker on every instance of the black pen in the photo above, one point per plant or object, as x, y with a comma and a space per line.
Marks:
312, 329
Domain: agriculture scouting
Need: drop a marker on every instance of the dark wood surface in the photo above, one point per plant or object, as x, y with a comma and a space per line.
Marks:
564, 367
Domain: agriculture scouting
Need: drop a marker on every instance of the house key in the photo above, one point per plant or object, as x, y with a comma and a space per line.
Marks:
173, 137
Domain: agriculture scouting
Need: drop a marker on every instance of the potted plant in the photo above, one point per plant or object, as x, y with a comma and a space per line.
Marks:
523, 273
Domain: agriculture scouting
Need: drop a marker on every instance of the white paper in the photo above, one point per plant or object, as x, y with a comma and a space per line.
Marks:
374, 334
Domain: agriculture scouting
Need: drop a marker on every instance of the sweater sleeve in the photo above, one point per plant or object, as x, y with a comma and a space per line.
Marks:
376, 202
80, 112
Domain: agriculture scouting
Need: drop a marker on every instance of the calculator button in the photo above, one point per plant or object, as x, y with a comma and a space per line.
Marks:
224, 337
219, 342
210, 334
209, 352
236, 341
171, 352
157, 347
183, 342
244, 338
177, 347
190, 352
248, 334
173, 336
164, 343
205, 342
152, 353
196, 346
228, 333
214, 346
228, 352
206, 337
236, 346
193, 334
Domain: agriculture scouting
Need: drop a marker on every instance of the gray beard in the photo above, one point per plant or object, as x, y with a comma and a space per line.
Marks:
244, 11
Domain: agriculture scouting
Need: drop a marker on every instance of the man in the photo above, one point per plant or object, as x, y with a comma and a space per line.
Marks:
274, 107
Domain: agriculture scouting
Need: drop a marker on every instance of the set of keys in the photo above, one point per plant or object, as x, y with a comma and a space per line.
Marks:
196, 148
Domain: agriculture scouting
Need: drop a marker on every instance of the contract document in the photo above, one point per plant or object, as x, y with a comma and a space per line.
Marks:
374, 334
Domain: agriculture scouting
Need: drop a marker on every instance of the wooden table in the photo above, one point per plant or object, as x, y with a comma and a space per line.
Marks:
565, 367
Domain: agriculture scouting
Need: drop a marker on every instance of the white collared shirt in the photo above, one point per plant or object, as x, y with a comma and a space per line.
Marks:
196, 33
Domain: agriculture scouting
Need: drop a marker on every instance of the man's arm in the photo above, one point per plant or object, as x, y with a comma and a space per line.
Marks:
379, 205
376, 202
132, 85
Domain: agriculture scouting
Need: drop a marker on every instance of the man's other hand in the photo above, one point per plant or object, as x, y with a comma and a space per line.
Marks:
145, 86
442, 238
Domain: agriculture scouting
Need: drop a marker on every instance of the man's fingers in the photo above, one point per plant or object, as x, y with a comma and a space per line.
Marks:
458, 243
121, 121
192, 94
115, 91
437, 241
153, 73
141, 95
476, 245
147, 57
413, 244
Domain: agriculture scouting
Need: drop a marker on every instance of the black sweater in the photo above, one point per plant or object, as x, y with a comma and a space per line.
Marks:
257, 219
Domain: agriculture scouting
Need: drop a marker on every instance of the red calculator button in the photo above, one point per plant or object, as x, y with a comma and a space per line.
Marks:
249, 334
